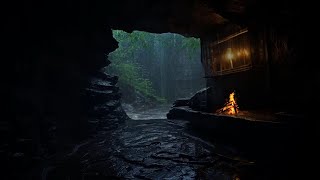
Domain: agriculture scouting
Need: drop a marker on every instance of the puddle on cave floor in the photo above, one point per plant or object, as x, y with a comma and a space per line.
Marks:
146, 113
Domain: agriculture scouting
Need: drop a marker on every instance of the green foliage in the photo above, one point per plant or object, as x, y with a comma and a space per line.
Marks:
123, 62
192, 45
129, 75
139, 50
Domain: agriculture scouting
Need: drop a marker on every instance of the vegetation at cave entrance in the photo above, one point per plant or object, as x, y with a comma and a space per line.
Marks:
162, 67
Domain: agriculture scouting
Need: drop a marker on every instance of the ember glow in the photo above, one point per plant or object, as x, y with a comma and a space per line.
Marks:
231, 106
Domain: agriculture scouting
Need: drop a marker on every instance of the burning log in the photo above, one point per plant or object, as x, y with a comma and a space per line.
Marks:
231, 107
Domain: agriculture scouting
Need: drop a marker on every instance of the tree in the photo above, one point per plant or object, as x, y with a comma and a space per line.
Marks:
149, 63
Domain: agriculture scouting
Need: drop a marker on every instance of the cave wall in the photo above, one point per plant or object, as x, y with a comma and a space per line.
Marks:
54, 50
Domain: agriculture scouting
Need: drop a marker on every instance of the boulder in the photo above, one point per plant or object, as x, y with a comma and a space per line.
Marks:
181, 102
200, 99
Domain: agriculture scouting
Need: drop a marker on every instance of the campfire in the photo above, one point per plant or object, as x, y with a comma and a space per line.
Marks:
230, 107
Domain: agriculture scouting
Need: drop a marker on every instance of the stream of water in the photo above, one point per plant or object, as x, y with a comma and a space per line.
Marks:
158, 112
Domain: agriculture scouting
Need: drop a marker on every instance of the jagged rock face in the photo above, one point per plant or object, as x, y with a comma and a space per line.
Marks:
104, 107
203, 101
53, 65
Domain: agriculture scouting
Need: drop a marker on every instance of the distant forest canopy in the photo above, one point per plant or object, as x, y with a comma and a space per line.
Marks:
159, 67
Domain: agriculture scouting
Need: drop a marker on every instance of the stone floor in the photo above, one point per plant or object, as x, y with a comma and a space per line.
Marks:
167, 149
154, 149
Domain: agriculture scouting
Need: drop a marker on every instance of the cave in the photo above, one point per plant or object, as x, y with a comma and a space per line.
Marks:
64, 117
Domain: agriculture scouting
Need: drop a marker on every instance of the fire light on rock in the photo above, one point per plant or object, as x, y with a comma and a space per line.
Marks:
231, 106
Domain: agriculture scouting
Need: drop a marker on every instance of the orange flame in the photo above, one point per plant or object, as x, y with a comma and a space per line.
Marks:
231, 106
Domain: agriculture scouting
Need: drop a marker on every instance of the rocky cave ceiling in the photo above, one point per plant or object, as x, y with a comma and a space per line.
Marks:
194, 17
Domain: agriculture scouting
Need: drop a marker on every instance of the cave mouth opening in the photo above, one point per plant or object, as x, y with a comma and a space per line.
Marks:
154, 70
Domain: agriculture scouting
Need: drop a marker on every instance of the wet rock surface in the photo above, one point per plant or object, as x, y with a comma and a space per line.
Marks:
154, 149
161, 149
103, 97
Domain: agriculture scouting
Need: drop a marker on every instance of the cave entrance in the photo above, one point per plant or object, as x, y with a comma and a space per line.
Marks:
154, 70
